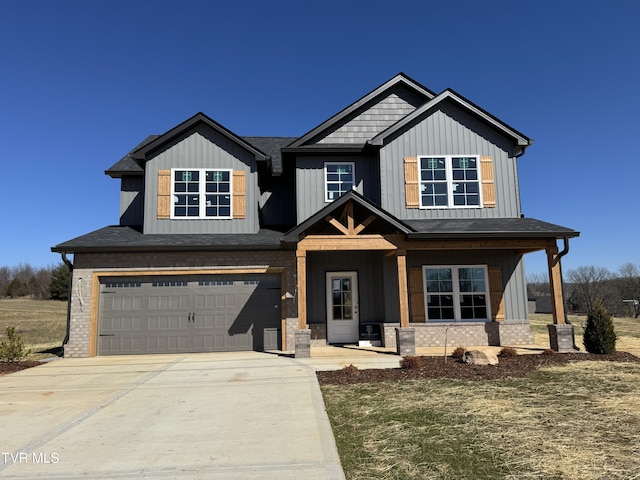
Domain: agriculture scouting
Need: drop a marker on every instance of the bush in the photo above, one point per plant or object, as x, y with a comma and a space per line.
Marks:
507, 352
548, 351
458, 353
599, 334
12, 349
411, 363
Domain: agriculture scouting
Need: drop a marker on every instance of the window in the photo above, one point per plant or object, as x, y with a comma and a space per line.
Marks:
201, 193
339, 179
449, 181
456, 293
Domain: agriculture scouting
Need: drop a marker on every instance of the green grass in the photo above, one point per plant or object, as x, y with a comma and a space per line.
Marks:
40, 323
581, 421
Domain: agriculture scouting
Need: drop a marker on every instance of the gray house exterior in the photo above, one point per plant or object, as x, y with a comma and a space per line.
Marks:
393, 222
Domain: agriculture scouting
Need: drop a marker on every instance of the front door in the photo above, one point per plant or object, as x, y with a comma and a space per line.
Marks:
342, 307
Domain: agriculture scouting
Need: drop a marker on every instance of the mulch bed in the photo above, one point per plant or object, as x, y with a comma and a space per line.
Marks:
435, 367
17, 366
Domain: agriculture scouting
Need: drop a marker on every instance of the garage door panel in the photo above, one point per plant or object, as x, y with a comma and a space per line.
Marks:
187, 313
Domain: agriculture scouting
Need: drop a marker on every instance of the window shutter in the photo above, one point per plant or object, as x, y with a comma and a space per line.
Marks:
164, 194
411, 186
488, 182
239, 194
497, 294
416, 294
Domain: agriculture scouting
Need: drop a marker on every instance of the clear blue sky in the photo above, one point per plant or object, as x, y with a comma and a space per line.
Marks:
83, 82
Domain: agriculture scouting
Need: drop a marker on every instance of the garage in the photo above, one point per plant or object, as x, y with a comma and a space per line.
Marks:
188, 313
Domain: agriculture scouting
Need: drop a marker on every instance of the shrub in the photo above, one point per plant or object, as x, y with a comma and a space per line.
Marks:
12, 349
458, 353
411, 363
599, 334
507, 352
548, 351
351, 370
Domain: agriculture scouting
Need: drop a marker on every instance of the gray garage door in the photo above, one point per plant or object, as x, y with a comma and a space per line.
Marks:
177, 314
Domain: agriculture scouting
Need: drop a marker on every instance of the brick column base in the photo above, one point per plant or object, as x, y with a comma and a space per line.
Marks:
303, 343
561, 337
406, 341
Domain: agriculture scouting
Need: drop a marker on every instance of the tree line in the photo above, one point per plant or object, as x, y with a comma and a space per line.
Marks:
44, 283
618, 291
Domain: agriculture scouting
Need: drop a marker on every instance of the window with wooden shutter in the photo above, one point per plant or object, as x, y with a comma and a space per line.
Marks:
239, 194
488, 182
416, 295
497, 294
164, 194
411, 184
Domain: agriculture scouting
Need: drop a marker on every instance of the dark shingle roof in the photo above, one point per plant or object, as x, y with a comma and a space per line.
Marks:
127, 165
487, 227
128, 239
271, 146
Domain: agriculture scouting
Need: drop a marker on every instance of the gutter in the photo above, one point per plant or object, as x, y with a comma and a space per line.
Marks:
561, 254
68, 263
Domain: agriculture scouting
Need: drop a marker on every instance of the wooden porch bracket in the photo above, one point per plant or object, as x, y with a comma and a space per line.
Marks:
555, 284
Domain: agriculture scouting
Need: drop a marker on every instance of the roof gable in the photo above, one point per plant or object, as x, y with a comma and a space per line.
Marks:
518, 138
372, 113
365, 212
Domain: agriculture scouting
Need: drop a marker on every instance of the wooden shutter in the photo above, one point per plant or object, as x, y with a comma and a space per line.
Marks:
239, 194
164, 194
497, 294
488, 182
411, 185
416, 294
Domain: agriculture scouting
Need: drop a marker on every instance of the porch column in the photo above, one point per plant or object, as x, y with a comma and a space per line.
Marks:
401, 256
555, 284
301, 258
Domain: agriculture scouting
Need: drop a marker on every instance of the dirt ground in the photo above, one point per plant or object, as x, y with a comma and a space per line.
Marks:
435, 367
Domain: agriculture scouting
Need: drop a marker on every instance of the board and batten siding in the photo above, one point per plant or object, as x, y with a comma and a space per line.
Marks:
510, 263
132, 201
202, 148
370, 288
398, 103
310, 182
449, 131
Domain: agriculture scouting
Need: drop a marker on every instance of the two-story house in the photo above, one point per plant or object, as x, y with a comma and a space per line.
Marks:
397, 220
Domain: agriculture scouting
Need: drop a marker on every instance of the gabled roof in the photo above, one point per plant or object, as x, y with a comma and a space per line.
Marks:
518, 138
399, 79
132, 163
272, 146
351, 195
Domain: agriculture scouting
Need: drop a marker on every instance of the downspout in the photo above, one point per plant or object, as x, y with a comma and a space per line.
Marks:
561, 254
70, 265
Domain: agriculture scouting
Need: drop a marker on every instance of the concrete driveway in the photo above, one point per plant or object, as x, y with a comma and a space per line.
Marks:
220, 415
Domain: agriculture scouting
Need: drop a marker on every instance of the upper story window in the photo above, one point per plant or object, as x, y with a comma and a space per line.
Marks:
449, 181
202, 193
339, 178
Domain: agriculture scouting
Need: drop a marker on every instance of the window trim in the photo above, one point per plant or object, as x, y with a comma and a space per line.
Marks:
448, 160
201, 193
326, 182
456, 294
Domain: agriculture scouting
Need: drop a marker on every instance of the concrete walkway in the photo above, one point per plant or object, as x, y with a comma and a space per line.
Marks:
214, 416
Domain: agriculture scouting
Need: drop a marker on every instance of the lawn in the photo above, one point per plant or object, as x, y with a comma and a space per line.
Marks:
579, 421
41, 323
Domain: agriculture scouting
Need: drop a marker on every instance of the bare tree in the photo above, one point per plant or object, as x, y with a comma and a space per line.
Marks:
629, 283
589, 284
538, 285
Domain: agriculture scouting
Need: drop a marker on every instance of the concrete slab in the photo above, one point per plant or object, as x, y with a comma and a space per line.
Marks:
223, 415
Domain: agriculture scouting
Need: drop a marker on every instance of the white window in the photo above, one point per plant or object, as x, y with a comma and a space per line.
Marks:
456, 293
339, 178
449, 181
201, 193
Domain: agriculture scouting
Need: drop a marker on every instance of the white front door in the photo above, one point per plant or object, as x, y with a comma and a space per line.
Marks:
342, 307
